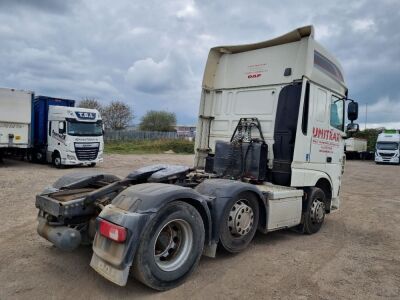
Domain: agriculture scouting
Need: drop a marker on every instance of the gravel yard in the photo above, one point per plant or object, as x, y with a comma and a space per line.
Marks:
356, 255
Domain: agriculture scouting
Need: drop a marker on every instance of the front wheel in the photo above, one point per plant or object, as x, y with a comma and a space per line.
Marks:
57, 160
170, 247
314, 214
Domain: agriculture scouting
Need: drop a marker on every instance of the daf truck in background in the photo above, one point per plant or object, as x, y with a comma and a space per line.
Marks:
47, 129
387, 147
65, 135
15, 121
269, 155
355, 148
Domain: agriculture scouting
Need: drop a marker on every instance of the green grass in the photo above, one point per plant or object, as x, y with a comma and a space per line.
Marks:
149, 147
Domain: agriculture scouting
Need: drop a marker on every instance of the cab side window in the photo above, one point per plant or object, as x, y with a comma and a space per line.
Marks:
337, 113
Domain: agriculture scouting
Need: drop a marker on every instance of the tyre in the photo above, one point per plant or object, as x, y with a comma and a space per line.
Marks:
57, 160
239, 223
92, 165
314, 210
170, 247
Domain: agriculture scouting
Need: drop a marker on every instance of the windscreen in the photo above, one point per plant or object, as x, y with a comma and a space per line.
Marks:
76, 128
387, 146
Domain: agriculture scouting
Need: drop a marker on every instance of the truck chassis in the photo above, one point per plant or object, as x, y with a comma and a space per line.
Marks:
161, 219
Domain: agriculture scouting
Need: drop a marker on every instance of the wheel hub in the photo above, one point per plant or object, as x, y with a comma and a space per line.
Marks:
317, 211
241, 218
173, 245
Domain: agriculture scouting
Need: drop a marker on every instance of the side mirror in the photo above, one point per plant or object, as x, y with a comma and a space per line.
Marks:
352, 111
61, 127
353, 127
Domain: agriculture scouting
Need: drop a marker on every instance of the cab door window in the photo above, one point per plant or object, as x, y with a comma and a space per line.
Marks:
337, 113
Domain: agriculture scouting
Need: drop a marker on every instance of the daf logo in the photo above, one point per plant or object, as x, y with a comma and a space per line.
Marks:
86, 115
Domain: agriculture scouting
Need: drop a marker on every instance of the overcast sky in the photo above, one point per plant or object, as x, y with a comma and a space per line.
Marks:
151, 54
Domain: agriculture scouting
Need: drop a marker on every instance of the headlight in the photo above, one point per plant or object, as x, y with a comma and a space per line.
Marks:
70, 157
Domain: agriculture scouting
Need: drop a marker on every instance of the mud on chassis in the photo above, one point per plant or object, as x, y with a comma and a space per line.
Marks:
158, 221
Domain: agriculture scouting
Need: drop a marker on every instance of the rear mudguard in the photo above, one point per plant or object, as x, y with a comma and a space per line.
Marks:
133, 208
222, 192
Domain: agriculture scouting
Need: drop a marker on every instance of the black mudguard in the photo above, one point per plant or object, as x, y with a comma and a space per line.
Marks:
133, 208
221, 193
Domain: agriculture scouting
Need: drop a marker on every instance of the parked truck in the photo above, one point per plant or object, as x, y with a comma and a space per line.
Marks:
387, 147
355, 148
269, 155
15, 124
47, 129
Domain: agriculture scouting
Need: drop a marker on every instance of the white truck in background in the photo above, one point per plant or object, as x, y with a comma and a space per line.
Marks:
355, 148
387, 147
15, 120
48, 129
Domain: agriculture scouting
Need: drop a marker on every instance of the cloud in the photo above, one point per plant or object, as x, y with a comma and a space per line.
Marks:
188, 10
170, 74
43, 5
152, 53
363, 25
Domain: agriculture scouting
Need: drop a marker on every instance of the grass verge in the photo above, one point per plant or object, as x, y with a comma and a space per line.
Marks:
149, 147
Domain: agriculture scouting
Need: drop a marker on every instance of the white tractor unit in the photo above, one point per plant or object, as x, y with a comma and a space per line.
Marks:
387, 147
269, 155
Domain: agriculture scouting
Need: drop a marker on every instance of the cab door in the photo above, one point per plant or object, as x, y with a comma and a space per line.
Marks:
319, 144
336, 128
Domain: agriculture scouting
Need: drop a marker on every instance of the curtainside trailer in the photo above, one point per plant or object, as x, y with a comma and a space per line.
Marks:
269, 155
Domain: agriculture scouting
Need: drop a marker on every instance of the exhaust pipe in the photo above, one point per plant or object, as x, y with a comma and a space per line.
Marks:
62, 237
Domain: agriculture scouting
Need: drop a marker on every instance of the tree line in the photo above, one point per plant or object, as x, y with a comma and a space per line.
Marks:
117, 115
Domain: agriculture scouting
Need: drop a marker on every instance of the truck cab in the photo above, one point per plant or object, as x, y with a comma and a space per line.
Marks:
76, 134
66, 135
296, 89
387, 147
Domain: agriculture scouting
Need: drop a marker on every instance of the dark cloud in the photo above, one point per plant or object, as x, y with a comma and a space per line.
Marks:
40, 5
152, 53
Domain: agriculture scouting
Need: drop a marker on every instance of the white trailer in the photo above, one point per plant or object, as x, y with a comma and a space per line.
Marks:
355, 148
15, 119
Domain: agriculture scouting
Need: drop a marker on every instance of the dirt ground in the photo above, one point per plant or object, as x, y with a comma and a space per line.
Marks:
356, 255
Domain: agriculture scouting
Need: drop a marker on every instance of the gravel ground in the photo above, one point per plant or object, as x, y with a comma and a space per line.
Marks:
356, 255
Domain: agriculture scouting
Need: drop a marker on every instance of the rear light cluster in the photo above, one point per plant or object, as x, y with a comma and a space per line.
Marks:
112, 231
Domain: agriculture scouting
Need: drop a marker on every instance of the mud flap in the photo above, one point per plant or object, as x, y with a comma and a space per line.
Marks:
117, 276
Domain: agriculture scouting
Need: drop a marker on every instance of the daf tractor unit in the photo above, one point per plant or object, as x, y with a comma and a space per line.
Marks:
269, 155
47, 129
387, 147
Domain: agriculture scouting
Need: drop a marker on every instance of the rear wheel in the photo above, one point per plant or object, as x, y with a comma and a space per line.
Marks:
315, 208
239, 223
170, 247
